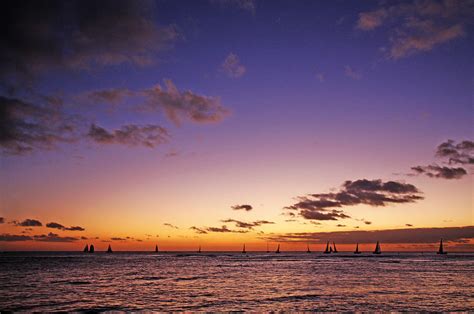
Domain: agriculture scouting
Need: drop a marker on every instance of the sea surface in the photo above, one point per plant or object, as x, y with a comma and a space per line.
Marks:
235, 282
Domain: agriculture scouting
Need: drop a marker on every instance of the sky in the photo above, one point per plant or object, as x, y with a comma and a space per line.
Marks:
215, 123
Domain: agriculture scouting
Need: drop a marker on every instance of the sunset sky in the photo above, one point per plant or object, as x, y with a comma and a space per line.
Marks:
223, 122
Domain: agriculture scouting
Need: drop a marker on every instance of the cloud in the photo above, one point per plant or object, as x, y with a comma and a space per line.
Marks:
410, 235
353, 74
79, 34
418, 26
408, 225
55, 225
53, 237
247, 5
232, 66
453, 154
118, 239
2, 220
28, 223
224, 229
26, 126
170, 225
6, 237
340, 226
184, 105
132, 135
368, 222
198, 230
369, 192
112, 96
244, 207
247, 225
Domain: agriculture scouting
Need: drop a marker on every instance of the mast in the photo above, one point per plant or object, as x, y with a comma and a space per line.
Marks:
327, 251
334, 245
357, 249
243, 250
278, 248
156, 248
307, 250
86, 249
377, 248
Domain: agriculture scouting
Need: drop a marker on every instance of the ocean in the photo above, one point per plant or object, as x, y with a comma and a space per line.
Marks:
130, 281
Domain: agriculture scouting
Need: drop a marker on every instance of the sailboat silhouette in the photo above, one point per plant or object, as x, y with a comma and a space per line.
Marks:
156, 248
243, 250
91, 248
377, 248
357, 249
441, 250
199, 250
307, 250
109, 250
334, 245
327, 250
278, 249
86, 249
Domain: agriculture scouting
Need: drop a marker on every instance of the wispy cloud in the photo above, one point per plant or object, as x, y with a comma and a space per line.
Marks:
232, 66
248, 225
132, 135
353, 74
28, 223
53, 237
224, 229
245, 207
55, 225
6, 237
198, 230
170, 225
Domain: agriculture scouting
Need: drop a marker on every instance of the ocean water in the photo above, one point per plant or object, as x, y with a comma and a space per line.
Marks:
235, 281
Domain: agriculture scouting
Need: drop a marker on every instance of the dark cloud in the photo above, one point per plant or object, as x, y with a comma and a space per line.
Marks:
118, 239
55, 225
369, 192
411, 235
132, 135
170, 225
244, 207
341, 226
43, 35
2, 220
455, 155
184, 105
418, 26
84, 238
198, 230
247, 225
409, 225
26, 126
53, 237
6, 237
28, 223
367, 222
224, 229
443, 172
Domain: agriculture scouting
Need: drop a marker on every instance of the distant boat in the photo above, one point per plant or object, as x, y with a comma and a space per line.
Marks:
334, 245
109, 250
156, 248
86, 249
91, 248
357, 249
278, 249
377, 249
441, 250
243, 250
328, 249
199, 250
307, 249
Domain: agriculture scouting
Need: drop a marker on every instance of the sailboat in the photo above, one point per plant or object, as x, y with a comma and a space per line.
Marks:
441, 250
109, 250
278, 249
307, 250
334, 245
357, 249
86, 249
199, 250
330, 249
156, 248
91, 248
377, 248
327, 250
243, 250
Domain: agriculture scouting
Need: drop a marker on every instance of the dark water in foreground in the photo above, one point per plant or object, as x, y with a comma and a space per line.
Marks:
234, 281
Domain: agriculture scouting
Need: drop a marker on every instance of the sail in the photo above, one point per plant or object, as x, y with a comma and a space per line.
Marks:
307, 250
86, 249
334, 245
357, 249
441, 249
109, 250
156, 248
243, 250
326, 251
199, 250
278, 249
377, 248
330, 249
91, 248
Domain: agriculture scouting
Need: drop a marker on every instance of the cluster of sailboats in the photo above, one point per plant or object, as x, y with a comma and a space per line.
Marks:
329, 249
